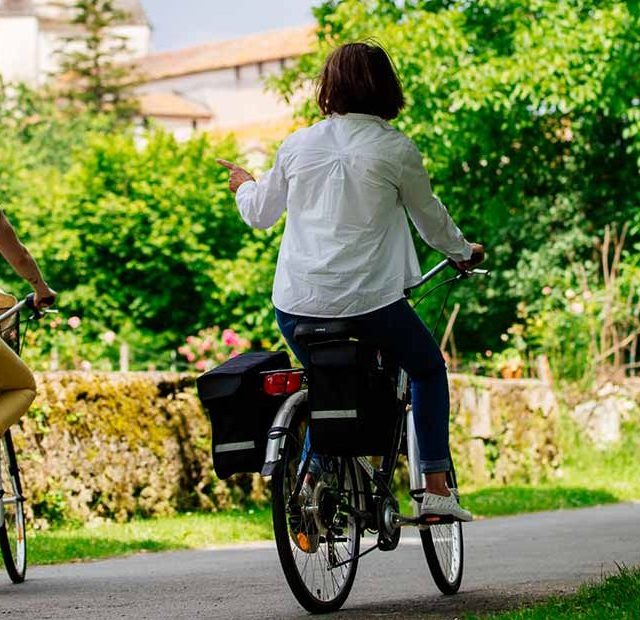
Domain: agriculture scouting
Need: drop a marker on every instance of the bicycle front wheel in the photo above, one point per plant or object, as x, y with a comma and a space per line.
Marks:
316, 532
444, 550
13, 542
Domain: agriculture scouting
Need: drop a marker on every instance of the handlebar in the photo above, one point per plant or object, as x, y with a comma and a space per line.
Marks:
28, 302
441, 266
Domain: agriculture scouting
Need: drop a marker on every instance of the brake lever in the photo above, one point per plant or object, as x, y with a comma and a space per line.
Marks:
479, 272
37, 313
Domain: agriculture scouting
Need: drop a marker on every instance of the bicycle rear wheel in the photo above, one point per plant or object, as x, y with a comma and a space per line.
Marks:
444, 550
315, 533
13, 542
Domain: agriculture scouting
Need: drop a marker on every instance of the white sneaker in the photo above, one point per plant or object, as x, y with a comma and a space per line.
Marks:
442, 506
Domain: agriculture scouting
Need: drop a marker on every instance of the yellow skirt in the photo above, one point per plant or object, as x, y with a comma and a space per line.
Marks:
17, 387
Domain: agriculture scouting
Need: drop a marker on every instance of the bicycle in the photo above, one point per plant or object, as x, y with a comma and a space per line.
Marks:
318, 530
13, 544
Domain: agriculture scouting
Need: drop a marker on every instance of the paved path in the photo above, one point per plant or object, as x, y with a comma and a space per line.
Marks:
508, 560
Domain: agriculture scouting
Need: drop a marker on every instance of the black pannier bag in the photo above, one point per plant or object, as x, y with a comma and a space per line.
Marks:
352, 400
240, 412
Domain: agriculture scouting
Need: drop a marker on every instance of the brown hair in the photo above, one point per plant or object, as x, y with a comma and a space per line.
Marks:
360, 77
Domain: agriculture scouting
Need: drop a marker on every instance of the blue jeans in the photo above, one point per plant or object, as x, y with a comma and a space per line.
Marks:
400, 333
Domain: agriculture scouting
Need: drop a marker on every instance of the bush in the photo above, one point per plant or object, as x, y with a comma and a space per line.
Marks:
121, 445
141, 237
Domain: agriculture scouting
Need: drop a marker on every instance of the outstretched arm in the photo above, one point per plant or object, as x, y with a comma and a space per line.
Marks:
17, 255
430, 216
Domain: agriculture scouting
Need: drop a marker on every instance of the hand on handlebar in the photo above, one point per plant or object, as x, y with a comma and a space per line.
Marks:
477, 256
44, 297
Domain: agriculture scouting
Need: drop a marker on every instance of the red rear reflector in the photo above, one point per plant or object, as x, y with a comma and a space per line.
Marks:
279, 383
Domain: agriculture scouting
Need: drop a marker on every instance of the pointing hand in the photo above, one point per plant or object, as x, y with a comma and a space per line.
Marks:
238, 175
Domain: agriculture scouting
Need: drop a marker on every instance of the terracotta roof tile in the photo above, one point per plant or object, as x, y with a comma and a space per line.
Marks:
263, 47
170, 105
274, 130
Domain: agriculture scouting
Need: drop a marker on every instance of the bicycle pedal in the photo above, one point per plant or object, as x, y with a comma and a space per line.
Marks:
427, 519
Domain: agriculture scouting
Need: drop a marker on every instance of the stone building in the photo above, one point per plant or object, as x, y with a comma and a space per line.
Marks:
217, 86
227, 79
32, 31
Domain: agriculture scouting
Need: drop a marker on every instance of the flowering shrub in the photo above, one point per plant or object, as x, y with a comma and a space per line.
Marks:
210, 347
64, 342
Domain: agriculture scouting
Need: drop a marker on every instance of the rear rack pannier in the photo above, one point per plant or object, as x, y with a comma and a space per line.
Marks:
240, 413
352, 399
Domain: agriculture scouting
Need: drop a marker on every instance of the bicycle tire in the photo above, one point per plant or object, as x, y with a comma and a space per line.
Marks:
283, 481
443, 547
13, 543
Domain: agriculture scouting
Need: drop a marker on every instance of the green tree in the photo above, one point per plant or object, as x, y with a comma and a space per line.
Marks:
527, 112
91, 70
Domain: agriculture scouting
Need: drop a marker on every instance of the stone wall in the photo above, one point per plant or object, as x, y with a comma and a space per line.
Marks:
123, 444
503, 431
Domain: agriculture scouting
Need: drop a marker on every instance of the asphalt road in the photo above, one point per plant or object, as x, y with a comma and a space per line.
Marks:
508, 561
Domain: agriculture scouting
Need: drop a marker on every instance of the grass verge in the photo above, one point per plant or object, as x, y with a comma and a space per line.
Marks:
189, 531
618, 596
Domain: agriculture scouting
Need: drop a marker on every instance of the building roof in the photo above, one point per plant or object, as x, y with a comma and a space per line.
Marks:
262, 47
171, 105
274, 130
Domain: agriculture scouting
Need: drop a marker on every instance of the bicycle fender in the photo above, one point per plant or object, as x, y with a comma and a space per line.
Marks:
278, 433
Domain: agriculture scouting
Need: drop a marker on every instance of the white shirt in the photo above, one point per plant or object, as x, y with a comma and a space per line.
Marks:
347, 184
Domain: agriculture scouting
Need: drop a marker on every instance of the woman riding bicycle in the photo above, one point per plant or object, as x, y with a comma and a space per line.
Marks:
17, 385
347, 183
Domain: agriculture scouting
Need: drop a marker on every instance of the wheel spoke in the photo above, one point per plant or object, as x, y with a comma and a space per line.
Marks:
12, 532
313, 523
443, 548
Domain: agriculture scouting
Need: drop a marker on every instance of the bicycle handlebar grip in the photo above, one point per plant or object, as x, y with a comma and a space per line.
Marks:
48, 301
45, 301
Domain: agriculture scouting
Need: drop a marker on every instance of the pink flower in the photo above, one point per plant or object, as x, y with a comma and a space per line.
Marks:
190, 356
201, 365
191, 339
546, 290
206, 345
109, 337
74, 322
230, 338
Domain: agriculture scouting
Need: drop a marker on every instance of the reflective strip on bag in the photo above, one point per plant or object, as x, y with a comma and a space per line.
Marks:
334, 414
232, 447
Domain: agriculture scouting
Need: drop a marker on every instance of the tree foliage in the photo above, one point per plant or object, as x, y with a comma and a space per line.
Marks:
138, 232
528, 115
92, 70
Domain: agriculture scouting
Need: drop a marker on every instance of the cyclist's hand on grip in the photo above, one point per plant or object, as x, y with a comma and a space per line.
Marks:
477, 256
44, 296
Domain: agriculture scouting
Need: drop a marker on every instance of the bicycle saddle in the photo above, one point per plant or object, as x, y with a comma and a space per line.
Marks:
317, 330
